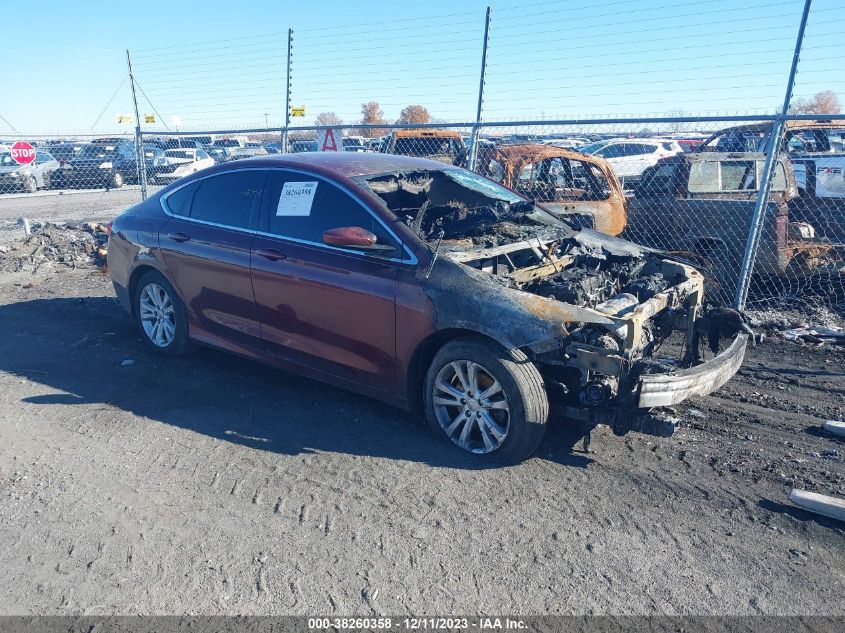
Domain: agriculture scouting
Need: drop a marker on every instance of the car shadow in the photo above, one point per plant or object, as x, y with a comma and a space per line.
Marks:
87, 351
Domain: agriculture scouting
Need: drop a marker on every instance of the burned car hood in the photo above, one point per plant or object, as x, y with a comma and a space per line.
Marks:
534, 292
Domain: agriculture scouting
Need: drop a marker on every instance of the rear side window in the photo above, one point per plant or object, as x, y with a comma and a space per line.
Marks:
311, 206
227, 199
179, 202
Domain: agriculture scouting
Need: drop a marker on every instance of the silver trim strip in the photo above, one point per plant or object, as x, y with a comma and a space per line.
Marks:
411, 260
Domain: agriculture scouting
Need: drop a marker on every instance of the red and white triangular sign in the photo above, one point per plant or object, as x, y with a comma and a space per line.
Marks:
328, 141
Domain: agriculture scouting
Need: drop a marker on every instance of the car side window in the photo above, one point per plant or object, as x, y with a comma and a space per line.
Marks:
42, 157
228, 198
179, 202
303, 207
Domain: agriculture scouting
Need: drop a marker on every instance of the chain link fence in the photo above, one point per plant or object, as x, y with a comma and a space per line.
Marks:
700, 186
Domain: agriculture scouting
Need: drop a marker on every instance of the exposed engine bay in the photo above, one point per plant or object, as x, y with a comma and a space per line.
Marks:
599, 307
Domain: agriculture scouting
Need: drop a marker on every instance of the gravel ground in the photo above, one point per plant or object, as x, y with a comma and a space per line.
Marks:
71, 205
212, 485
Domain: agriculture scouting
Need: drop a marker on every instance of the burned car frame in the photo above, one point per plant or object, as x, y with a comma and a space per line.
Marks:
421, 284
580, 188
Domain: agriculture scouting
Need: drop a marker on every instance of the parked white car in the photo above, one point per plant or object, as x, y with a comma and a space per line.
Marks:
630, 157
28, 178
181, 162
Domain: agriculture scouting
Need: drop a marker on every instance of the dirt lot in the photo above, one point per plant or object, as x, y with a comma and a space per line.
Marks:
132, 484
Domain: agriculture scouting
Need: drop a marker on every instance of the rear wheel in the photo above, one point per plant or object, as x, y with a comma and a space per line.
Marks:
116, 180
161, 316
485, 400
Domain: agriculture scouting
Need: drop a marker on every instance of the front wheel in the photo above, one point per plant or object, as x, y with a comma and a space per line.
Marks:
160, 316
486, 400
30, 185
116, 180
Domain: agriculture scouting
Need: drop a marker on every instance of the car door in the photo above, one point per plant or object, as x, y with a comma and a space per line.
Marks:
206, 244
327, 308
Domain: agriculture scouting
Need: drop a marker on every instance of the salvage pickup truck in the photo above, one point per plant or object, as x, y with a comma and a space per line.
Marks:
702, 204
816, 150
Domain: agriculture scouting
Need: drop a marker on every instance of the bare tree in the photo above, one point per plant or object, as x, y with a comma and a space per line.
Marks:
825, 102
371, 114
329, 119
414, 114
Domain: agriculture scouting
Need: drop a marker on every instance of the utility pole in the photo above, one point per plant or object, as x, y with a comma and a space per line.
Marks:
287, 96
765, 187
473, 154
139, 144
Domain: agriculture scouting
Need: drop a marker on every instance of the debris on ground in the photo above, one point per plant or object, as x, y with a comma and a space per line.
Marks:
56, 245
818, 503
783, 314
816, 334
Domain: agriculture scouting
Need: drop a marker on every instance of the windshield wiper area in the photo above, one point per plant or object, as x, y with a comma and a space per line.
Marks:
523, 206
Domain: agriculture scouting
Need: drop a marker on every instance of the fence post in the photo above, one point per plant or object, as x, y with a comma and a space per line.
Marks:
762, 202
139, 140
284, 147
473, 154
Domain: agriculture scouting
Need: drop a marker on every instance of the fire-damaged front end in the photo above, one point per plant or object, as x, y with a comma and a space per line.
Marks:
590, 311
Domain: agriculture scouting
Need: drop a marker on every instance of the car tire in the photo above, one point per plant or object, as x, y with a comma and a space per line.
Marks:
116, 181
160, 316
30, 185
505, 421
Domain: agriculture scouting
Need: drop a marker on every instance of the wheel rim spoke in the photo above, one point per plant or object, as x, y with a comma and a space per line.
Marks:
492, 390
488, 423
457, 367
472, 377
450, 430
447, 388
489, 444
464, 437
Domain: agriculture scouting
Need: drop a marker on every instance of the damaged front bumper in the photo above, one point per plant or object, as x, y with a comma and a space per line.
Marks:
662, 390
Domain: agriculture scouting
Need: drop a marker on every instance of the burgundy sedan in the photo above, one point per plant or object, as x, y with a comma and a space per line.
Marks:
420, 284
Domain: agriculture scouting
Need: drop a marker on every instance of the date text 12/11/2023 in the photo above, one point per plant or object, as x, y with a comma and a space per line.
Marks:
418, 624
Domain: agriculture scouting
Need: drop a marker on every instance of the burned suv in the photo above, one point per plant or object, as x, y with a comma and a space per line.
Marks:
423, 285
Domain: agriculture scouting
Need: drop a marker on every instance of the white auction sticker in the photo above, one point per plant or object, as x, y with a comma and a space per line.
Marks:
296, 198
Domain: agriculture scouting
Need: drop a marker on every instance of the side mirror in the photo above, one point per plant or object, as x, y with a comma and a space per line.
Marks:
356, 238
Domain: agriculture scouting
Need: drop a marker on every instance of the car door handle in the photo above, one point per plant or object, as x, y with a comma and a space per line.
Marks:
271, 253
179, 237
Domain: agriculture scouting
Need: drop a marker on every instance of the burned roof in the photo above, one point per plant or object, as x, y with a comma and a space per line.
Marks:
534, 151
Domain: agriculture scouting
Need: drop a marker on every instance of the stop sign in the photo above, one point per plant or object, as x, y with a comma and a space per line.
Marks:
23, 153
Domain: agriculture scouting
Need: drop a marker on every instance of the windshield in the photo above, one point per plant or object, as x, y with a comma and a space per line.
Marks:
98, 151
592, 147
6, 160
460, 205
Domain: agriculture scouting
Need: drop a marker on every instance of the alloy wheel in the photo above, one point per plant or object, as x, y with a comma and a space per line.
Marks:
158, 315
471, 406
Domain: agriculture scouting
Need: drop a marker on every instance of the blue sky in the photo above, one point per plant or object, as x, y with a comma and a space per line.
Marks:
219, 65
